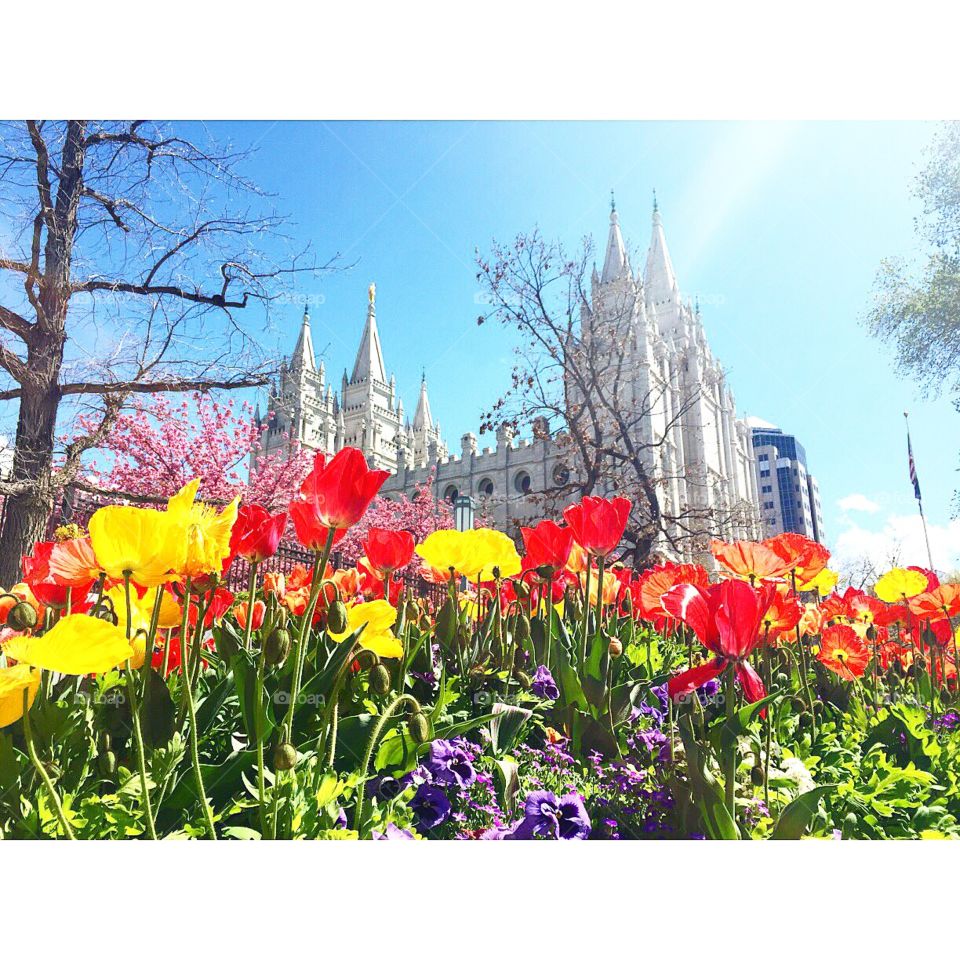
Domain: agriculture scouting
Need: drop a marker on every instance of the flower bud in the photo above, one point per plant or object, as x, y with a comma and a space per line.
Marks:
277, 647
380, 679
798, 704
22, 616
284, 756
523, 679
756, 775
337, 617
615, 649
107, 763
419, 727
412, 611
522, 630
227, 645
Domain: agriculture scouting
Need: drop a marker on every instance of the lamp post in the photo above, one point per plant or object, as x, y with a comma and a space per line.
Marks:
463, 511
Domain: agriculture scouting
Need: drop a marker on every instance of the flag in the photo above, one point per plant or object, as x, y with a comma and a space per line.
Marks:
913, 469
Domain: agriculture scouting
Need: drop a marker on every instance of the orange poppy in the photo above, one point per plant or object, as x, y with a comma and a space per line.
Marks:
942, 601
749, 560
843, 652
806, 557
647, 591
782, 615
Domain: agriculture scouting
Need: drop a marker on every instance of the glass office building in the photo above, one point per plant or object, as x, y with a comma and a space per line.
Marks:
788, 492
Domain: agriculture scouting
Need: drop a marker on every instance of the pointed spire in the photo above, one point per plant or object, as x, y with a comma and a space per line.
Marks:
422, 419
659, 280
303, 358
369, 362
616, 263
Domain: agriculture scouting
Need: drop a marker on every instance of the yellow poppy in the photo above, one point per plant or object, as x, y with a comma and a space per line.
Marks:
489, 552
443, 549
134, 542
141, 610
823, 582
376, 617
13, 681
76, 644
203, 534
898, 583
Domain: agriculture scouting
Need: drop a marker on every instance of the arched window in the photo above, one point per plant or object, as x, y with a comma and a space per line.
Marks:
561, 475
521, 482
451, 493
485, 487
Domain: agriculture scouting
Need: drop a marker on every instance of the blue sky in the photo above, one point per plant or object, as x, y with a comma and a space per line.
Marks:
779, 228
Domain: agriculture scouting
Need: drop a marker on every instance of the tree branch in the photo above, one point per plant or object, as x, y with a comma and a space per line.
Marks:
182, 385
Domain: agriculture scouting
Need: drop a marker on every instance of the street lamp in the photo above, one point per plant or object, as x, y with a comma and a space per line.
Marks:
463, 509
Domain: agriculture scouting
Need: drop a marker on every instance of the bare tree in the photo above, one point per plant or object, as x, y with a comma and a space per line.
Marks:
126, 253
576, 382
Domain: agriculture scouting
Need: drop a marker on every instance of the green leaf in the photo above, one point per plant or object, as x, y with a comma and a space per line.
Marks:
507, 727
708, 793
244, 672
797, 815
158, 712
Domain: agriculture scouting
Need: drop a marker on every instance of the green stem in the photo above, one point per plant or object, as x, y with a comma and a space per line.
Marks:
586, 613
730, 753
316, 581
251, 590
368, 753
135, 714
258, 728
41, 770
334, 726
141, 754
195, 761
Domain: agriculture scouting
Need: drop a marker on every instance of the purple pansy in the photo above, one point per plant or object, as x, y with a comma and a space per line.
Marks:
431, 806
449, 764
553, 817
393, 832
544, 685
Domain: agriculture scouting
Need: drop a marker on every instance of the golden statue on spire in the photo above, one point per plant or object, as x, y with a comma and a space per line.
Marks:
372, 293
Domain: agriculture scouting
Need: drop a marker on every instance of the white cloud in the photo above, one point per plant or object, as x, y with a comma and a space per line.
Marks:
900, 540
858, 501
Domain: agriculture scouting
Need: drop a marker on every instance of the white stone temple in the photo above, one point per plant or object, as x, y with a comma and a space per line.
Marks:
699, 453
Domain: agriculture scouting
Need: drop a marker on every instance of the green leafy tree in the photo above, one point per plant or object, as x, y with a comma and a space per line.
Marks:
917, 304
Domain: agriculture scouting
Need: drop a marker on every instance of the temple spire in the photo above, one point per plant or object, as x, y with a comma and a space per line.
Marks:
369, 362
423, 419
616, 263
303, 358
659, 280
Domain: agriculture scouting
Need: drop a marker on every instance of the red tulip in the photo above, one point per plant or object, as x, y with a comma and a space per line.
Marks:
726, 619
388, 550
546, 545
339, 492
598, 524
310, 529
256, 535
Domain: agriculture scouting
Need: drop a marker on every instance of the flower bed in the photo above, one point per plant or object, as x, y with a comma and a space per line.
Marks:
553, 695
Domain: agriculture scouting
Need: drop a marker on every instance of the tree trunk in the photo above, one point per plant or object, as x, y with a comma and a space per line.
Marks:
27, 512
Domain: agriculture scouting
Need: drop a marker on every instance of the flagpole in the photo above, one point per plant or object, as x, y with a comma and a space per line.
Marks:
916, 490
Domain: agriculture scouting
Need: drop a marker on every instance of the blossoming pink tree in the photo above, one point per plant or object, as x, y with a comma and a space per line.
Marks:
421, 514
158, 446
